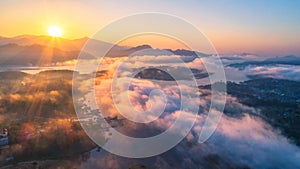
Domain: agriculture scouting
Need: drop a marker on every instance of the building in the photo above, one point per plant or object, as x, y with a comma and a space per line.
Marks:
4, 138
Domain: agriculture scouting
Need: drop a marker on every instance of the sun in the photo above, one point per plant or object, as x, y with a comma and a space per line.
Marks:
55, 31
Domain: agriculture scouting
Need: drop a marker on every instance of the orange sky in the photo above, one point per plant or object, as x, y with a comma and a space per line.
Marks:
156, 41
232, 26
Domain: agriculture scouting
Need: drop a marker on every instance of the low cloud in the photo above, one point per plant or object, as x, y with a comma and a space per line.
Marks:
241, 139
289, 72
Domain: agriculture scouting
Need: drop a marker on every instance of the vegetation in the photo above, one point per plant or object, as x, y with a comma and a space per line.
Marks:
38, 110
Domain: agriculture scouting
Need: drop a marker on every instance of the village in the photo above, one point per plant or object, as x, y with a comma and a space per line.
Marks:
67, 127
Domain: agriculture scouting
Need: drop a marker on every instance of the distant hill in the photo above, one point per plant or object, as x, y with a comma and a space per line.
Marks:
180, 72
68, 48
285, 60
35, 55
59, 43
12, 75
290, 59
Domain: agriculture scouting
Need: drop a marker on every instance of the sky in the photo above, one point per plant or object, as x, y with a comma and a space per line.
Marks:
269, 27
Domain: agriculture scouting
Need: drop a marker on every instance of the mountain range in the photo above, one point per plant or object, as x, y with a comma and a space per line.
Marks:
32, 50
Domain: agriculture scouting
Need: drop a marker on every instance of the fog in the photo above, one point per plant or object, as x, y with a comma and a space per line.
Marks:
242, 139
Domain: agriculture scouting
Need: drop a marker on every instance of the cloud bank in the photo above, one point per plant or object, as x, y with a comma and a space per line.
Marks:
242, 140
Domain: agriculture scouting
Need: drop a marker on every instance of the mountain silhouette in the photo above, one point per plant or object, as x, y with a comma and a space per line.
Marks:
32, 50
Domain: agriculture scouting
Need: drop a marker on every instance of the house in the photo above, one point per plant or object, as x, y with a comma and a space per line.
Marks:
4, 138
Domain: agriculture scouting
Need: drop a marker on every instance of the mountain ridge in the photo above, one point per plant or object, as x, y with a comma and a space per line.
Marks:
40, 50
